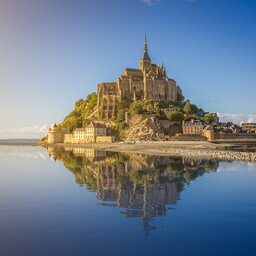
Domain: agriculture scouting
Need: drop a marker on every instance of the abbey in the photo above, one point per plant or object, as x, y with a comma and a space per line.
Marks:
149, 82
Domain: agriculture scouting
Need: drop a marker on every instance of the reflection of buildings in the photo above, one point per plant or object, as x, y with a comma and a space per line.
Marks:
143, 185
145, 201
90, 154
143, 196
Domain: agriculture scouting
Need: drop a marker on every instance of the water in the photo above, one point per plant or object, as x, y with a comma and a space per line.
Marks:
86, 202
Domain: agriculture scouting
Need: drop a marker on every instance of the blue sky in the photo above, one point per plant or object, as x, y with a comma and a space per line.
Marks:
54, 52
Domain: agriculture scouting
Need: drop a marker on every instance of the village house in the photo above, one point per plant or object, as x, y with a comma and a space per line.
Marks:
193, 127
95, 132
249, 127
198, 128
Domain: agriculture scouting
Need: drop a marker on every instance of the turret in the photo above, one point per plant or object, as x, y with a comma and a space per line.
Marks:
55, 135
163, 71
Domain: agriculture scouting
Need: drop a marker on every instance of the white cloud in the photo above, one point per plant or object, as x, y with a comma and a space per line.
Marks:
27, 152
36, 131
236, 166
150, 2
237, 118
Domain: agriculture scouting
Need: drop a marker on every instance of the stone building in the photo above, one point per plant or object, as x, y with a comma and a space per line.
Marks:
149, 82
95, 132
249, 127
89, 133
193, 127
198, 128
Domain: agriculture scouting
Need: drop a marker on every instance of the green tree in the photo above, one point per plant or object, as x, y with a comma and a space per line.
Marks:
187, 108
136, 107
78, 117
200, 112
120, 114
180, 96
190, 108
194, 109
208, 118
175, 116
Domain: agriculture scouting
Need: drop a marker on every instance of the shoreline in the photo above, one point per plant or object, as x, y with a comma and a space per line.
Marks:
18, 142
189, 149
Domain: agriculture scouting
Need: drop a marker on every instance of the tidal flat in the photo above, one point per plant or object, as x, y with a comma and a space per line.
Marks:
194, 149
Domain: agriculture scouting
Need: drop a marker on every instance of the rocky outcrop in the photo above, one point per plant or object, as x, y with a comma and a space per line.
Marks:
147, 129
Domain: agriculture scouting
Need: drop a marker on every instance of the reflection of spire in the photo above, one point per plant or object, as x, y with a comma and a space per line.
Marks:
147, 227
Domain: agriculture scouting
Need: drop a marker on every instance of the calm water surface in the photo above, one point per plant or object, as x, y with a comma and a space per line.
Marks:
87, 202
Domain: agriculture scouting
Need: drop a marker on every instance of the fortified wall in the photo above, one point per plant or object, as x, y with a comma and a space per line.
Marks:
235, 136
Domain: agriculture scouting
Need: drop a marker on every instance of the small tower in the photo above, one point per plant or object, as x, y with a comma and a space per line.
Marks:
145, 62
55, 135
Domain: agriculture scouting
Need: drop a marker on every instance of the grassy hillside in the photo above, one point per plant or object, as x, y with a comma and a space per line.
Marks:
78, 117
85, 111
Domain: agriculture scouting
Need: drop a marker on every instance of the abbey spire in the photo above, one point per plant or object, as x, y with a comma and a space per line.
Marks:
145, 44
145, 60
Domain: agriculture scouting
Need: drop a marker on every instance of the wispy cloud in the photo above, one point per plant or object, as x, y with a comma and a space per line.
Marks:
236, 166
237, 118
150, 2
28, 132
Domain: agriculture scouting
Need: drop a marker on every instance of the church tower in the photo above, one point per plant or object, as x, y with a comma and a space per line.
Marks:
145, 62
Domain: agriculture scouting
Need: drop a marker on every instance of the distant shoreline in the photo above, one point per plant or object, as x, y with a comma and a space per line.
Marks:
18, 142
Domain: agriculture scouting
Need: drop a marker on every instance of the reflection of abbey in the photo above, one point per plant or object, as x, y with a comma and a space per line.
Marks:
149, 82
142, 185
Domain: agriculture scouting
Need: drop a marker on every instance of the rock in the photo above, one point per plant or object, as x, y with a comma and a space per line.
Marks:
145, 130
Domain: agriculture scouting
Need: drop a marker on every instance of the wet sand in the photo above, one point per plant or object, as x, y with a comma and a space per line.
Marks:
154, 147
193, 149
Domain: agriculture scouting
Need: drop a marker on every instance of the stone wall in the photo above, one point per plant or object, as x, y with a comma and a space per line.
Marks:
235, 136
187, 137
104, 139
